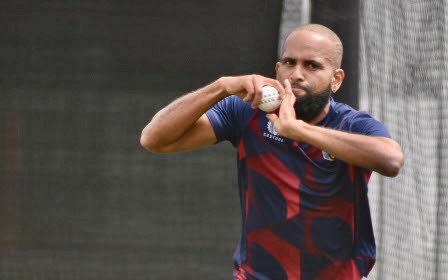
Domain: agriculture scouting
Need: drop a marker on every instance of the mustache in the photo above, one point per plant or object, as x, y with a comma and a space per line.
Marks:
299, 86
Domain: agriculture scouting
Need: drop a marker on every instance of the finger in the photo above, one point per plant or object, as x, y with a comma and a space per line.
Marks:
291, 98
288, 92
250, 91
287, 107
281, 89
276, 84
258, 93
272, 117
288, 89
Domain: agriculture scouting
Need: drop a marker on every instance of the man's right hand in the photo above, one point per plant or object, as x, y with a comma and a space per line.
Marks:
183, 125
249, 87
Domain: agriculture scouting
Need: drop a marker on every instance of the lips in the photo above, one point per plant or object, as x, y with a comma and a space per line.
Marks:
298, 90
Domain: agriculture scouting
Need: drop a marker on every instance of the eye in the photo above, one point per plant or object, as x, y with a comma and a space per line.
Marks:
288, 62
311, 65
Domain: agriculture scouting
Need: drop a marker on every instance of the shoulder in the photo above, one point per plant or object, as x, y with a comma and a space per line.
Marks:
343, 113
236, 107
349, 119
228, 117
232, 102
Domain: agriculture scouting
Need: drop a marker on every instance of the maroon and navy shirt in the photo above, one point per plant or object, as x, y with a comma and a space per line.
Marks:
305, 214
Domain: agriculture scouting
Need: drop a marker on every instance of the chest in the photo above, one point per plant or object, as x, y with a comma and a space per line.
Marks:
262, 145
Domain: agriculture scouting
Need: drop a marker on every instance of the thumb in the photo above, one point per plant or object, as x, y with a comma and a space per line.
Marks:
272, 117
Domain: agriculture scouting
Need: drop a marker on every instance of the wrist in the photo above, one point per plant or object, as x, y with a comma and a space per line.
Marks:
295, 130
221, 84
214, 91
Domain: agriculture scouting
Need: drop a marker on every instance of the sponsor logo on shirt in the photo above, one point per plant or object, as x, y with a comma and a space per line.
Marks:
327, 156
271, 128
272, 133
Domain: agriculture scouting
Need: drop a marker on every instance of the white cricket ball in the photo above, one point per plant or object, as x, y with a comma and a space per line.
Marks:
270, 99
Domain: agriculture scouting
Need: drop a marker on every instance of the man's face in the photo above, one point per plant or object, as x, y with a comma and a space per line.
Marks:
306, 63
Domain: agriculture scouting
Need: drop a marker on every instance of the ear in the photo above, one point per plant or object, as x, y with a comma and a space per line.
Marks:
336, 80
277, 65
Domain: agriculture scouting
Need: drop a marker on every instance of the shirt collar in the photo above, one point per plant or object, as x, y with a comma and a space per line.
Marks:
325, 120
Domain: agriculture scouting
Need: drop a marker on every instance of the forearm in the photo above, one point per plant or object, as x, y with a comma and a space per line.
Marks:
379, 154
173, 121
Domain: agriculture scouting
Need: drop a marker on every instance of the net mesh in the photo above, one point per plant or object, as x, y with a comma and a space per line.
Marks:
79, 197
294, 13
403, 82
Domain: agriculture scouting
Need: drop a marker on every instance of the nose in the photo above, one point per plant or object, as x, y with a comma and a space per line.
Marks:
297, 75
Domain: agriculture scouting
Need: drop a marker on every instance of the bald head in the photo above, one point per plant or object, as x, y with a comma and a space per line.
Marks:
337, 50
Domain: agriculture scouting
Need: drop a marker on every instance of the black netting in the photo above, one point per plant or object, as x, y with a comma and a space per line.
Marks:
404, 66
80, 199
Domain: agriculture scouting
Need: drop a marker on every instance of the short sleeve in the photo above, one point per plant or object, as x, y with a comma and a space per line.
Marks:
363, 123
226, 118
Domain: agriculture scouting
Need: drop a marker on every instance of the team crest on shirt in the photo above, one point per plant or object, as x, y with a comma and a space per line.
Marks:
327, 156
272, 133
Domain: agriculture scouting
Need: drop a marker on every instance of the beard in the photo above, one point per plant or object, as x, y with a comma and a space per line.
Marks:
310, 105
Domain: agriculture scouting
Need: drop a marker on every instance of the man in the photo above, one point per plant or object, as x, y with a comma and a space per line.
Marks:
303, 170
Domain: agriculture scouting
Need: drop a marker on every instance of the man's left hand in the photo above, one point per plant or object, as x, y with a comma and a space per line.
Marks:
286, 122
